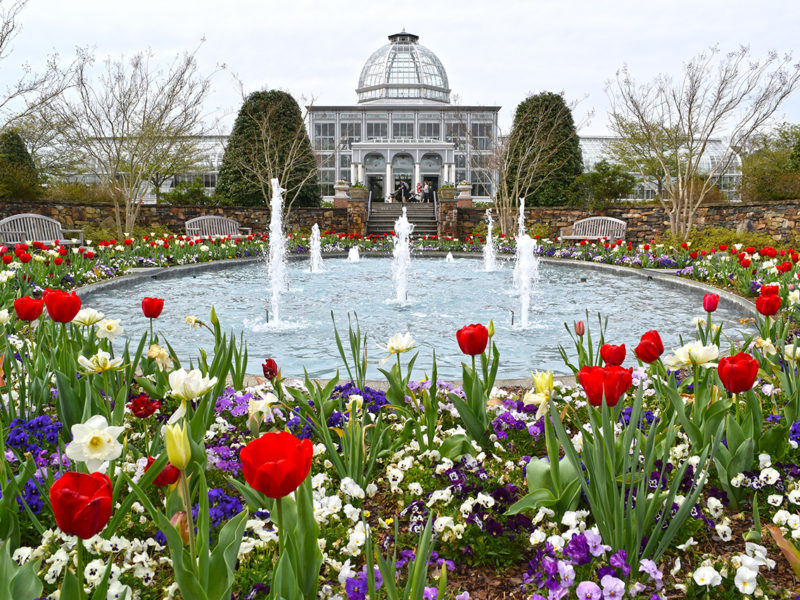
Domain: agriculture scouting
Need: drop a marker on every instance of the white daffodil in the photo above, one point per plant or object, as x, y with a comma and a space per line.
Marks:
109, 329
160, 355
791, 352
87, 317
94, 443
193, 322
693, 353
259, 409
398, 343
794, 298
100, 362
188, 385
765, 345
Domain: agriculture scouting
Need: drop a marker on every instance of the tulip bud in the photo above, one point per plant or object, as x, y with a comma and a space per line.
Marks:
178, 449
490, 328
580, 328
181, 523
270, 369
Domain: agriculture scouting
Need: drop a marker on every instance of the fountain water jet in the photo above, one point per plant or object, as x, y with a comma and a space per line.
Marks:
489, 255
449, 257
527, 275
277, 251
520, 234
353, 255
316, 250
402, 257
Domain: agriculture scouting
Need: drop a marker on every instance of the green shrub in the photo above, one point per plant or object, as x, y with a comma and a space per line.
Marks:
187, 193
78, 193
712, 237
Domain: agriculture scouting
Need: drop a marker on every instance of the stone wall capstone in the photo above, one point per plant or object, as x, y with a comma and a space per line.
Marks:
645, 222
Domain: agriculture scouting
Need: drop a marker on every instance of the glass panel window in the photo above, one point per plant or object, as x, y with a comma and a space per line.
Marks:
325, 136
350, 132
456, 132
402, 130
482, 135
481, 183
344, 167
326, 181
430, 130
377, 130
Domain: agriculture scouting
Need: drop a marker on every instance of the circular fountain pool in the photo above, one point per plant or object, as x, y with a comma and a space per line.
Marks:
443, 296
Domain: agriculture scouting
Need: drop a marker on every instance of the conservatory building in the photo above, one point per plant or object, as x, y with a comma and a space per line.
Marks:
404, 128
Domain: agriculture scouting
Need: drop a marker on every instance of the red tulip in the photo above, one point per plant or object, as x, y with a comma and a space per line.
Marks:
276, 463
270, 369
769, 290
61, 306
152, 307
768, 305
650, 347
738, 373
472, 339
24, 257
580, 328
7, 258
27, 308
710, 302
81, 503
613, 381
612, 355
168, 475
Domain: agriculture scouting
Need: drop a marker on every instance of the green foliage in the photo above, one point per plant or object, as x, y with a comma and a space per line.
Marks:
547, 173
268, 140
187, 193
606, 183
771, 171
712, 237
18, 176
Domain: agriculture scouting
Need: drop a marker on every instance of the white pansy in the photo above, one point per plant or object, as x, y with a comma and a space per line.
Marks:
88, 317
769, 476
94, 443
537, 537
745, 580
794, 496
188, 385
764, 461
780, 517
707, 576
775, 499
109, 329
415, 488
351, 489
100, 362
723, 531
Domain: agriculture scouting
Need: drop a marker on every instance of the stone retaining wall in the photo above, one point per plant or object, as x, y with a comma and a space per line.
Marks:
778, 219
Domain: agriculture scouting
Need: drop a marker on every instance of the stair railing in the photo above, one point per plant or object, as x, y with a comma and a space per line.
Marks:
369, 204
435, 207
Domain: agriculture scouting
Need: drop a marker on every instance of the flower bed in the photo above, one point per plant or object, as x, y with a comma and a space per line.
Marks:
131, 475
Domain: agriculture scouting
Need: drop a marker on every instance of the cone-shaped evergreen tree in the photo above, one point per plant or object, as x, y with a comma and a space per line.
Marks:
269, 139
545, 153
18, 176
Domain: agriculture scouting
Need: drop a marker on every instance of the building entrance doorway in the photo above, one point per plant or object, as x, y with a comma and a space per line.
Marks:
433, 184
375, 185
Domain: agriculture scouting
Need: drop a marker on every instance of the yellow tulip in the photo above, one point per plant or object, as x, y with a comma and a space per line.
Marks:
543, 382
178, 449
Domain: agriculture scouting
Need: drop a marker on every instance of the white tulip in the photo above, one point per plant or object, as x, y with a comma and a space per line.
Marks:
100, 362
693, 353
87, 317
188, 385
109, 329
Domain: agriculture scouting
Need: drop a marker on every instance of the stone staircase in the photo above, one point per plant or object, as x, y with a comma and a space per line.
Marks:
383, 216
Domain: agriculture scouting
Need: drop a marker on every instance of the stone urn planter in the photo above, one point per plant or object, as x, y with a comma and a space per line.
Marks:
340, 197
464, 198
447, 193
359, 194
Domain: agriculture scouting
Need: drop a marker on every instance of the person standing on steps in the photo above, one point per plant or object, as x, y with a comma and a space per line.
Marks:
426, 192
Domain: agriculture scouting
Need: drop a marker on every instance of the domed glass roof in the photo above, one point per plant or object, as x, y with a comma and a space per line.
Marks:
401, 70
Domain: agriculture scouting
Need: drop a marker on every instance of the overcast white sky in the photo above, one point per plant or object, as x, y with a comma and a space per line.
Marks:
495, 52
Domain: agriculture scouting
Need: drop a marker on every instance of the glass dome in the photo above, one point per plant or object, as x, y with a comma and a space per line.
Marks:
403, 70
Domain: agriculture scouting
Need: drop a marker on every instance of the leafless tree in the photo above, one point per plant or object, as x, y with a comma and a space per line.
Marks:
527, 159
33, 89
670, 123
131, 120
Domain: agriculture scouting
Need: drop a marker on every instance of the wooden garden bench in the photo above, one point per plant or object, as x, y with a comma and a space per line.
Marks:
30, 227
593, 228
212, 225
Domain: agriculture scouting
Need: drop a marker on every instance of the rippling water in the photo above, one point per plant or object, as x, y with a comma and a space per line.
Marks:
443, 296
